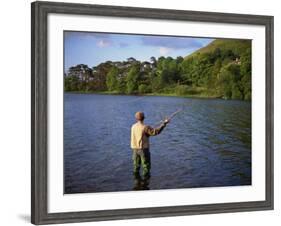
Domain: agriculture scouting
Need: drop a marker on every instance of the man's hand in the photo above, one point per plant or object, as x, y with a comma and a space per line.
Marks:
166, 121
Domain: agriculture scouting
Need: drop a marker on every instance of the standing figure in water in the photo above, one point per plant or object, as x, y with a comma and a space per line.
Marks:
140, 134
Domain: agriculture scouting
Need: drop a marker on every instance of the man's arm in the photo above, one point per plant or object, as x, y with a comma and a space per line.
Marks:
155, 131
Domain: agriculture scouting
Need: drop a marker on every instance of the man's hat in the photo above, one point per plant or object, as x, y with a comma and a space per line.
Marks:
139, 116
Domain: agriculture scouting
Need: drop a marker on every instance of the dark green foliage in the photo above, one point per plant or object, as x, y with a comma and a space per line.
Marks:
78, 78
221, 69
143, 88
71, 83
132, 79
112, 81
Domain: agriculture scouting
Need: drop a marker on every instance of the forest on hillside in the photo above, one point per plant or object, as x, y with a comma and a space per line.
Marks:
221, 69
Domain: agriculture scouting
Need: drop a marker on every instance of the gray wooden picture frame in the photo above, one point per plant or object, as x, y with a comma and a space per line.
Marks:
39, 107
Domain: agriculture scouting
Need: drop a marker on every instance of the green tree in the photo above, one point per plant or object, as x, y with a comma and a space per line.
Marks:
132, 79
167, 69
179, 59
246, 68
71, 83
236, 92
143, 88
229, 82
153, 61
225, 83
112, 79
98, 81
186, 68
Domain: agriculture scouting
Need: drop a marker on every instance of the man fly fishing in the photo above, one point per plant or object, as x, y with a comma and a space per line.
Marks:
140, 134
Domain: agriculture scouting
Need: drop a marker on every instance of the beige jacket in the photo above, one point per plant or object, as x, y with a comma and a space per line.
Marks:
140, 134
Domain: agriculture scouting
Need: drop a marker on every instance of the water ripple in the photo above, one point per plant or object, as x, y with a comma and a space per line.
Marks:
207, 144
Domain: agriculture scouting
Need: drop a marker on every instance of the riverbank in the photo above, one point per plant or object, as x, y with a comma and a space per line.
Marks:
201, 95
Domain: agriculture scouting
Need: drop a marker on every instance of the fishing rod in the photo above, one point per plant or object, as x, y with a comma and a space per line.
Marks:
170, 116
174, 114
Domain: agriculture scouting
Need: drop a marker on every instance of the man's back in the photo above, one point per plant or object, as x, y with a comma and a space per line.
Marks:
140, 134
139, 139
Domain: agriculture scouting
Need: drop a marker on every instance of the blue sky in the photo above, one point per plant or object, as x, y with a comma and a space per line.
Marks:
93, 48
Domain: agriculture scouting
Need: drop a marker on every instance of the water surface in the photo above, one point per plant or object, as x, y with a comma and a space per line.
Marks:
207, 144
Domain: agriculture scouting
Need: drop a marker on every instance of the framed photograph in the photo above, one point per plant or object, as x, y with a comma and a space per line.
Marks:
141, 112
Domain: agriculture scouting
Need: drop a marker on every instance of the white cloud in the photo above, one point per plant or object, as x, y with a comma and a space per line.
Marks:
103, 43
164, 50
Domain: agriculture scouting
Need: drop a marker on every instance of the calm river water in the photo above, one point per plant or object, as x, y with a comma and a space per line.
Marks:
207, 144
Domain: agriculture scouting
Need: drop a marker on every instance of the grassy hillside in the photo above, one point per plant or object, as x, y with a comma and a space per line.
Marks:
234, 45
223, 68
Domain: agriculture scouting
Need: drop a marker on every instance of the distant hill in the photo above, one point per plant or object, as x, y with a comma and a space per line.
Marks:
223, 67
234, 45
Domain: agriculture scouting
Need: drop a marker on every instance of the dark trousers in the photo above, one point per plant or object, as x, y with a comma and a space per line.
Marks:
141, 157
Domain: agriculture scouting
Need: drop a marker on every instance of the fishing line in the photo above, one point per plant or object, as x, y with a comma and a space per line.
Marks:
160, 122
170, 116
134, 100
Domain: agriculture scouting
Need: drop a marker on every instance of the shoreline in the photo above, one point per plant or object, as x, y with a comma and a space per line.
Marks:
146, 94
